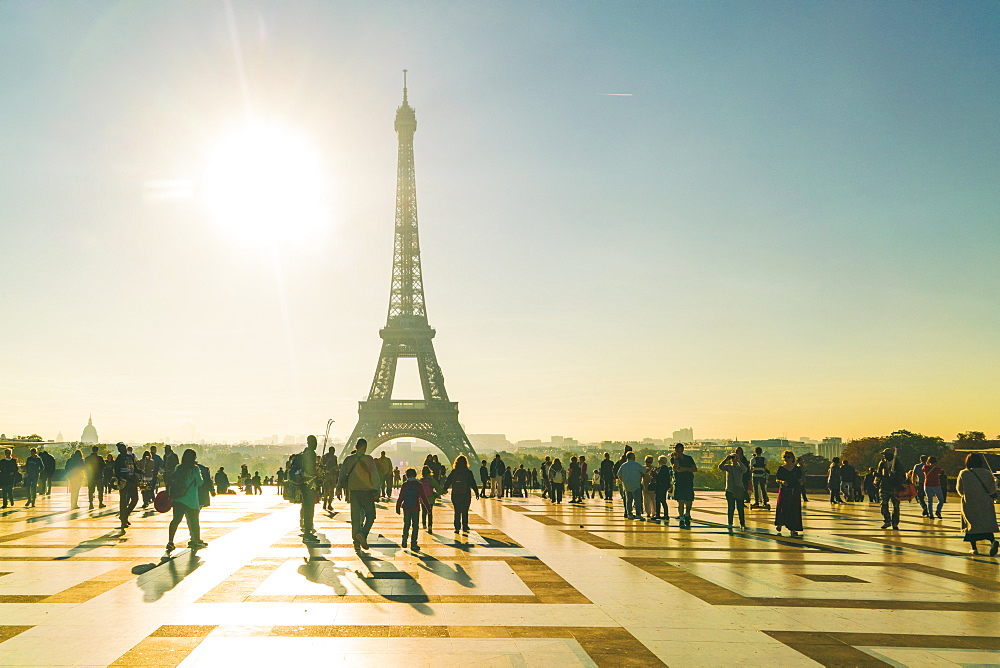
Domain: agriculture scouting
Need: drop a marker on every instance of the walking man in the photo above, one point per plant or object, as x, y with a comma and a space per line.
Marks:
360, 477
48, 471
127, 472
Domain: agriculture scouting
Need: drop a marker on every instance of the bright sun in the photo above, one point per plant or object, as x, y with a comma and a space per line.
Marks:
264, 183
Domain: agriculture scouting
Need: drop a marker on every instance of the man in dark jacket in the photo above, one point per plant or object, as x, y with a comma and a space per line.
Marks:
48, 471
94, 465
497, 469
484, 476
127, 472
889, 480
608, 477
664, 480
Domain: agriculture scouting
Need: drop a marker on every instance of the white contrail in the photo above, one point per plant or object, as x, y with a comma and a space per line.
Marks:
618, 94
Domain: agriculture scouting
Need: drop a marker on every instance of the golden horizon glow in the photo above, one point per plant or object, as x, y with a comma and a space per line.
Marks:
264, 183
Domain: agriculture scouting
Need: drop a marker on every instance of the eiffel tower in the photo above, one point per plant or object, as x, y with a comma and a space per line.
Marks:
407, 334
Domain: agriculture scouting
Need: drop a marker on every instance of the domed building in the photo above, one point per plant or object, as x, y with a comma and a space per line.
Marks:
89, 433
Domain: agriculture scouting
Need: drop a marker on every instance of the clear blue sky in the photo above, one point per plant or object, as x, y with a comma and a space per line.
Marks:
790, 226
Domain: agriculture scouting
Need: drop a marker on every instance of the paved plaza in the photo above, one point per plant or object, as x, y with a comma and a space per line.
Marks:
532, 585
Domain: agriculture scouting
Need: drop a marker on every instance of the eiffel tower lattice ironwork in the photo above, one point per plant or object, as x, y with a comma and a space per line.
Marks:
407, 333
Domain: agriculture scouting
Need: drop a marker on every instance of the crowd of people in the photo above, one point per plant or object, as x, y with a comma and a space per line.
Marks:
645, 489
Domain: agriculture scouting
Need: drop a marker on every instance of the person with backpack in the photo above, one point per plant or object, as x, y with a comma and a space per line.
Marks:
889, 480
360, 477
302, 475
411, 499
557, 478
833, 480
462, 484
758, 476
127, 473
184, 487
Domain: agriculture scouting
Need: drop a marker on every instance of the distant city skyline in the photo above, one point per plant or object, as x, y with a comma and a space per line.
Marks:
748, 219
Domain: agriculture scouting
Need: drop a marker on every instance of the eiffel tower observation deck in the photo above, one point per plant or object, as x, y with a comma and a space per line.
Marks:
407, 333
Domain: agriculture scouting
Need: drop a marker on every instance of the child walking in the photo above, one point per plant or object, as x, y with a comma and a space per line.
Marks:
431, 492
411, 499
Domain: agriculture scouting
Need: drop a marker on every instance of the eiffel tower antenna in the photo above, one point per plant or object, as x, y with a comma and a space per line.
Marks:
407, 333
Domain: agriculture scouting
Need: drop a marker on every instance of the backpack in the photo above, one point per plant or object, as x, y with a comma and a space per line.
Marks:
409, 493
296, 472
558, 476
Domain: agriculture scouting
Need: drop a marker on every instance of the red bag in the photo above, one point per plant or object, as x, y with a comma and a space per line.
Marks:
907, 493
162, 502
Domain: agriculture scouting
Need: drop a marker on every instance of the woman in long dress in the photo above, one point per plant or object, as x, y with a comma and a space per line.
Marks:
462, 484
977, 488
788, 509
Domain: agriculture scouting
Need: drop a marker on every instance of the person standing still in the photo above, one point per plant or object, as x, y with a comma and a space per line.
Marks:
833, 480
788, 509
889, 481
384, 465
608, 477
360, 477
8, 476
684, 470
758, 475
497, 469
917, 478
309, 489
630, 473
736, 491
74, 478
48, 472
932, 486
664, 483
94, 465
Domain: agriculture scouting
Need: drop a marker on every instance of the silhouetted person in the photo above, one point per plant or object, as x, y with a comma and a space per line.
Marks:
484, 476
309, 483
32, 472
412, 498
8, 477
889, 479
221, 481
186, 483
48, 471
497, 469
608, 477
127, 472
94, 465
462, 484
360, 477
74, 478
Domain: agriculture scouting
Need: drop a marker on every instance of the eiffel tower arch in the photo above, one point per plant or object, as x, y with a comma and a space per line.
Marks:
407, 334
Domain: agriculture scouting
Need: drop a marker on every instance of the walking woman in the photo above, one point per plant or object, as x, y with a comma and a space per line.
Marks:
788, 510
557, 478
649, 487
184, 484
462, 483
978, 489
